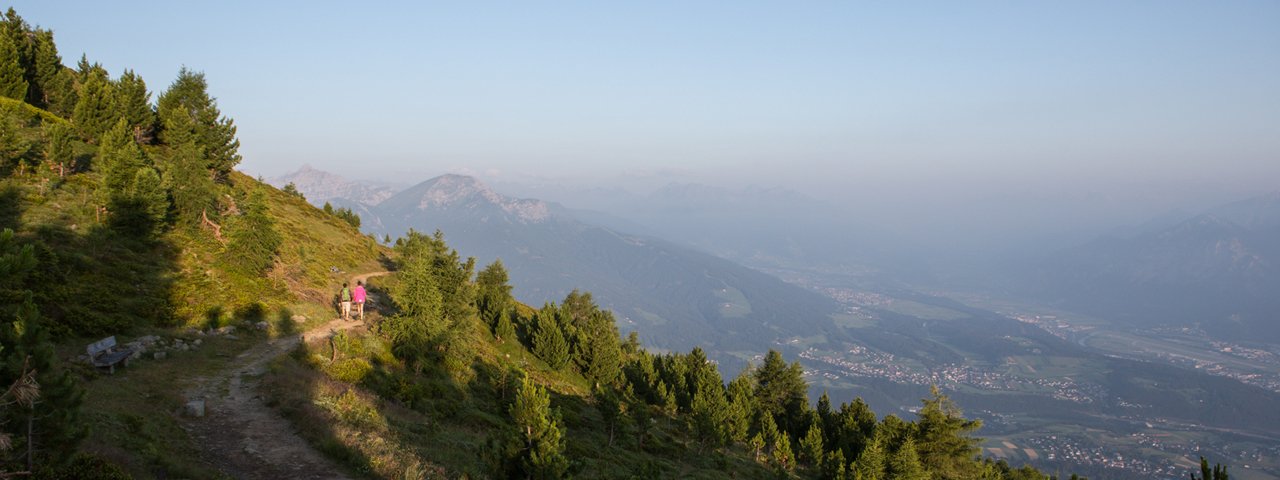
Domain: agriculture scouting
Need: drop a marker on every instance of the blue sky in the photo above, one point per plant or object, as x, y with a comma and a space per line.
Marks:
1155, 97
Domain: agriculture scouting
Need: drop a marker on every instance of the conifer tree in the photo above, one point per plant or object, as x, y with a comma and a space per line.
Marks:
834, 466
871, 464
52, 423
14, 148
543, 454
58, 149
782, 391
133, 102
505, 330
47, 66
609, 402
942, 438
783, 457
707, 414
548, 341
119, 158
215, 133
13, 82
905, 463
855, 425
493, 293
811, 449
1218, 472
95, 111
742, 405
185, 175
253, 239
757, 445
23, 37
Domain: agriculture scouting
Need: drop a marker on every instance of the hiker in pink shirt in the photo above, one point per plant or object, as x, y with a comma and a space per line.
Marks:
357, 296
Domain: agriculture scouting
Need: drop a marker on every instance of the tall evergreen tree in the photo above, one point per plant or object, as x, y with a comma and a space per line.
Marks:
543, 454
253, 239
812, 452
493, 293
871, 464
14, 148
58, 147
782, 391
742, 405
95, 111
215, 133
13, 82
834, 466
47, 66
905, 463
52, 424
133, 102
24, 41
548, 340
942, 438
186, 176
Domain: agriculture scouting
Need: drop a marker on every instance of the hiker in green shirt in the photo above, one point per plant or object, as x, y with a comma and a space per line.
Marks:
344, 299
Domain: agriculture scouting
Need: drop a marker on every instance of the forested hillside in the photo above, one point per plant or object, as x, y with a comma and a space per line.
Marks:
125, 216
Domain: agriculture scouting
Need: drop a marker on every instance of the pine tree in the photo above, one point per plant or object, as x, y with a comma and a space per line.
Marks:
543, 453
855, 425
133, 102
871, 464
811, 449
783, 457
943, 440
47, 66
119, 159
62, 94
186, 176
707, 416
505, 329
53, 422
834, 466
419, 323
1219, 472
215, 133
493, 293
905, 463
757, 445
782, 391
253, 239
13, 82
59, 150
741, 406
95, 112
23, 38
548, 341
609, 402
14, 148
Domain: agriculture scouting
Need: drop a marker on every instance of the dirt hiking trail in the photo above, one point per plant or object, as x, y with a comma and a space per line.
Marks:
244, 438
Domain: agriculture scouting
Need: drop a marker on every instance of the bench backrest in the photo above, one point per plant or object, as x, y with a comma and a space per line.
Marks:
101, 346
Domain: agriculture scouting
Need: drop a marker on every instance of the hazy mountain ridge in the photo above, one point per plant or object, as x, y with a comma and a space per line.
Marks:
321, 186
1218, 269
674, 296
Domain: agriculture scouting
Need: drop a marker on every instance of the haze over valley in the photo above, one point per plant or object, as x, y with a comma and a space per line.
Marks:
825, 241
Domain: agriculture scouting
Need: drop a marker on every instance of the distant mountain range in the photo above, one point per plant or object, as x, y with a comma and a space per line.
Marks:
1219, 270
320, 186
674, 296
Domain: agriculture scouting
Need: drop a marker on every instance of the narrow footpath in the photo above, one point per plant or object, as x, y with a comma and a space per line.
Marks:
243, 437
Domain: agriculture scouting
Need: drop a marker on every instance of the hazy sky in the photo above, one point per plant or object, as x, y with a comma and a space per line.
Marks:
915, 101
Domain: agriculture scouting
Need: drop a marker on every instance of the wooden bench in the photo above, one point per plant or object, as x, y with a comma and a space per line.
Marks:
103, 353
